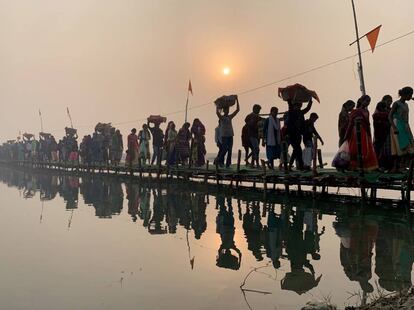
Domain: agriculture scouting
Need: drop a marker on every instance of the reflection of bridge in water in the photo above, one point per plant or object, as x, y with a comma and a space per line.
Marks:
281, 228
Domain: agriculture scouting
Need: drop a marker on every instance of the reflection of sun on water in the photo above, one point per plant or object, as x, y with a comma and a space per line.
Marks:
226, 71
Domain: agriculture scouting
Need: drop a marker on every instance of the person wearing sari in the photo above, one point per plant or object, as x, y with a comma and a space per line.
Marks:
402, 144
183, 143
343, 120
144, 136
198, 131
133, 147
382, 142
171, 140
369, 157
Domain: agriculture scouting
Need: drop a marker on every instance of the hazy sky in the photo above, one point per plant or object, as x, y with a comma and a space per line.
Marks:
120, 61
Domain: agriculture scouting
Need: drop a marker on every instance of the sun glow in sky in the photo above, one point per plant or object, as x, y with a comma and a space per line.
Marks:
226, 70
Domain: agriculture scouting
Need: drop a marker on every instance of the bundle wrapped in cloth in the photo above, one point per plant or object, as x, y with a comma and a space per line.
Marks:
28, 136
226, 101
45, 135
297, 93
70, 131
104, 128
156, 119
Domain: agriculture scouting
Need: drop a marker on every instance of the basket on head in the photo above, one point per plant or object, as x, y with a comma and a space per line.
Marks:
70, 131
225, 101
28, 135
156, 119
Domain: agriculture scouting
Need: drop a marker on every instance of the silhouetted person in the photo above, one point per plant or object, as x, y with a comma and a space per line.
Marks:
226, 133
295, 120
252, 120
226, 229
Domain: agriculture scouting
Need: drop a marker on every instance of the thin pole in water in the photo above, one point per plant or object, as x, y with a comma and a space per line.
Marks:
360, 68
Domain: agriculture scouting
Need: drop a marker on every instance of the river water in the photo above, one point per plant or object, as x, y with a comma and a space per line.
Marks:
102, 243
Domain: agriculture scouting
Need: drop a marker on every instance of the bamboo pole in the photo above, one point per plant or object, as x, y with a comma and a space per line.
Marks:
360, 67
409, 182
238, 168
314, 155
206, 174
359, 158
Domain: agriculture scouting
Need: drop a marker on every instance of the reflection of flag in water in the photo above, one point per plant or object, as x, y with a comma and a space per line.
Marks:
372, 37
190, 87
40, 113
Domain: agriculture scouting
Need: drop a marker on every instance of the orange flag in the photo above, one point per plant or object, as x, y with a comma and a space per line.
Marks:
190, 88
372, 37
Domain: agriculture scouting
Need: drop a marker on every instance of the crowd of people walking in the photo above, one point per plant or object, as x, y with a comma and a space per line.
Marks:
388, 149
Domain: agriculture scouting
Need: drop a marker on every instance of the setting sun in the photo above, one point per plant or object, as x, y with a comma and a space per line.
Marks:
226, 71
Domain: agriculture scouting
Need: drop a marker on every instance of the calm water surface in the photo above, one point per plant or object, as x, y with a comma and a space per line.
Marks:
99, 243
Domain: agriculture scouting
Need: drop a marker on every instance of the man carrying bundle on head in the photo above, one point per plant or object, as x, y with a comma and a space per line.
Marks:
157, 137
226, 127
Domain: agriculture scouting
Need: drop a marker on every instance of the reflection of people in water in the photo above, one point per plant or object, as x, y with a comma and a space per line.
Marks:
226, 229
183, 209
198, 214
274, 238
48, 185
144, 211
394, 256
29, 187
253, 230
69, 190
132, 195
297, 248
116, 197
171, 214
155, 226
357, 242
312, 236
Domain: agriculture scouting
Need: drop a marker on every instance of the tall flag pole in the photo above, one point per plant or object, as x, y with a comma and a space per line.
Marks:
189, 90
360, 68
41, 121
70, 117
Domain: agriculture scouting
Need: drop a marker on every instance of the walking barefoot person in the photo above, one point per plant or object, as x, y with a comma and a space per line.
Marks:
402, 144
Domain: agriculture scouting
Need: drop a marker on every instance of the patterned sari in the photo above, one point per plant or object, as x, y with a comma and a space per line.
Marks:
369, 157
